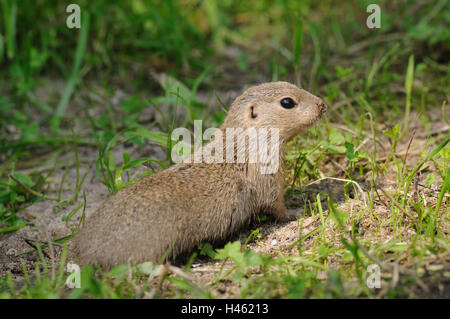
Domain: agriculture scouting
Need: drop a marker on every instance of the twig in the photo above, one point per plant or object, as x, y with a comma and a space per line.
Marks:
363, 44
31, 244
360, 190
407, 150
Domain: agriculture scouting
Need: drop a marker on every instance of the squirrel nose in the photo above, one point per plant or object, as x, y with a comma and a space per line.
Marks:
322, 107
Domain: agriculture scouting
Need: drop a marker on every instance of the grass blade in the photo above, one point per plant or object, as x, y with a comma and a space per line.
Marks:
408, 88
74, 77
298, 42
9, 16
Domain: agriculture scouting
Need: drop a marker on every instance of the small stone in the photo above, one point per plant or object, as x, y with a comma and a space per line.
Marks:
11, 252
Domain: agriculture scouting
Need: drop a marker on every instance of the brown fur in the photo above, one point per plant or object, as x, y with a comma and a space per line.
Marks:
186, 204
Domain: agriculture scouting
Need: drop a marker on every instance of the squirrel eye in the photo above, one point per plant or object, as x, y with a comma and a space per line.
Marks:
287, 103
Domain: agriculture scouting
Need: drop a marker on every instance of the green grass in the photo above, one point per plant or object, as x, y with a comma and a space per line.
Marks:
384, 134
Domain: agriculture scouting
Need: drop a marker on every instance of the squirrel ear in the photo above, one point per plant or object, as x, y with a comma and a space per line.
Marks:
252, 109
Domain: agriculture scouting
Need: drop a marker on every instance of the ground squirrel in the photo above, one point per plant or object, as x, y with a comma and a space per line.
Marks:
170, 212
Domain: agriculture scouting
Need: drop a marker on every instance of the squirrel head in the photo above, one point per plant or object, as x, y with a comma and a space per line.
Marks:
279, 105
